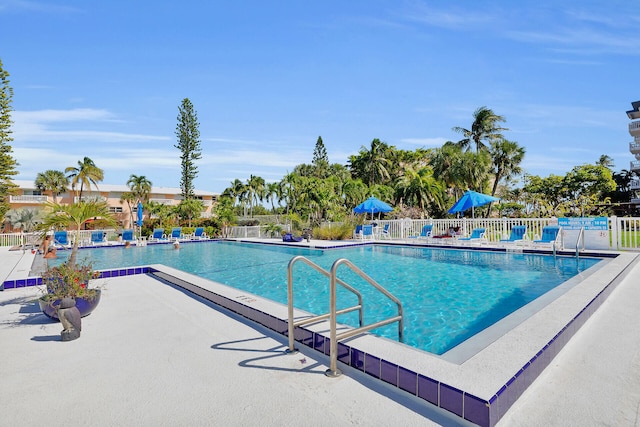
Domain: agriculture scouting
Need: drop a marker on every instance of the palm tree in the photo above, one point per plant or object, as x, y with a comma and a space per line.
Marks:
140, 186
272, 193
506, 157
255, 187
372, 165
237, 191
420, 187
162, 211
75, 215
24, 219
86, 173
129, 199
606, 161
53, 181
444, 164
484, 128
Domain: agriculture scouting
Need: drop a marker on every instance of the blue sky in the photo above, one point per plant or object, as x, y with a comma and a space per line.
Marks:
105, 80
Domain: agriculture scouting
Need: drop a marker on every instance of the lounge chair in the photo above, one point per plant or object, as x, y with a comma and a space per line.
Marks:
425, 233
128, 236
176, 233
384, 233
357, 233
518, 235
550, 235
288, 237
478, 235
157, 235
61, 239
367, 232
98, 238
200, 234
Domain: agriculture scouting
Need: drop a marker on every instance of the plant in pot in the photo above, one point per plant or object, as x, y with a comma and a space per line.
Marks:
70, 279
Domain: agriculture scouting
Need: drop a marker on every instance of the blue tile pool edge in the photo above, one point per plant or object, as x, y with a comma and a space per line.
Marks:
485, 413
103, 274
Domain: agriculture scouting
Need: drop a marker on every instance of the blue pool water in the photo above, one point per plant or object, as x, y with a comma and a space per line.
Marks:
448, 295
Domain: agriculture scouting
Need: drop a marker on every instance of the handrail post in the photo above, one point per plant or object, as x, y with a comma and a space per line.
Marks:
333, 370
290, 326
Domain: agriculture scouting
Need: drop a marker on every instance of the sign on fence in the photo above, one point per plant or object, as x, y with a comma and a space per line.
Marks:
596, 232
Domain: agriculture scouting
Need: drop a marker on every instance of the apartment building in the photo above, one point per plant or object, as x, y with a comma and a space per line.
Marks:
28, 196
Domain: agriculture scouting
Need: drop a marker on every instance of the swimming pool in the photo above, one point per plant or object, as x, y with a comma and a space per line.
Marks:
448, 295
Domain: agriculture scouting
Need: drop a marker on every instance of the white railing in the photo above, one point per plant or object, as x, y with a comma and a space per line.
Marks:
624, 231
28, 199
634, 184
253, 231
634, 165
496, 228
634, 147
76, 199
18, 239
164, 201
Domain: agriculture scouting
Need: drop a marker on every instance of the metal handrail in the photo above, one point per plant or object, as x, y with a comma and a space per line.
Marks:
314, 319
334, 336
580, 239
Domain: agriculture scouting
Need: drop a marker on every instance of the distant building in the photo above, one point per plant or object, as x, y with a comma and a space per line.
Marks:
28, 196
634, 147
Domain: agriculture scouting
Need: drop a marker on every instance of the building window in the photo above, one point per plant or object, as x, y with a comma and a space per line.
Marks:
115, 209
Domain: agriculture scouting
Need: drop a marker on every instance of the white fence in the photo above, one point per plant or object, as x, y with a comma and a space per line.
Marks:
28, 240
624, 232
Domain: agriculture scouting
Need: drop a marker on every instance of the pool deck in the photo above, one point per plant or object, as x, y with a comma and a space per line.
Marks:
180, 361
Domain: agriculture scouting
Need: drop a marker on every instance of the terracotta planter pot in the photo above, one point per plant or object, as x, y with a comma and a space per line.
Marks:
50, 306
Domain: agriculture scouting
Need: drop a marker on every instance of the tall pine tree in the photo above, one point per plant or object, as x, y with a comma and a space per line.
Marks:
320, 159
8, 163
189, 144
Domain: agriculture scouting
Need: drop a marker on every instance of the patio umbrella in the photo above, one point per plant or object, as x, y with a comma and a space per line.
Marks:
471, 200
372, 205
139, 222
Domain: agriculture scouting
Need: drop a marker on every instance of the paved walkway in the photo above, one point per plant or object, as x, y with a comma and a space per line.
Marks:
151, 356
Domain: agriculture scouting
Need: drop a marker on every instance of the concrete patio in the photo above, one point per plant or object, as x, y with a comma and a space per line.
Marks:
150, 355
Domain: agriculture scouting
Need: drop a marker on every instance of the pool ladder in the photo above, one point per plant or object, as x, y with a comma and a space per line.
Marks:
333, 312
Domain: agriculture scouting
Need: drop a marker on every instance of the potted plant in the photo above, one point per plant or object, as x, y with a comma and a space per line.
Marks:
69, 281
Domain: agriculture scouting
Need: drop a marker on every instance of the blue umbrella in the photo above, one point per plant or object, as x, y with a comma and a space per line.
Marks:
139, 222
471, 200
372, 205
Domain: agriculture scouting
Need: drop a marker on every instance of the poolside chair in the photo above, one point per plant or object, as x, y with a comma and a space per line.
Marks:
550, 236
384, 233
478, 235
157, 235
200, 234
176, 233
357, 233
98, 238
128, 236
518, 235
425, 233
367, 232
61, 239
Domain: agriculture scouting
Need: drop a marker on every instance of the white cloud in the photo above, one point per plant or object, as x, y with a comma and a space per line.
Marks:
41, 125
77, 114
